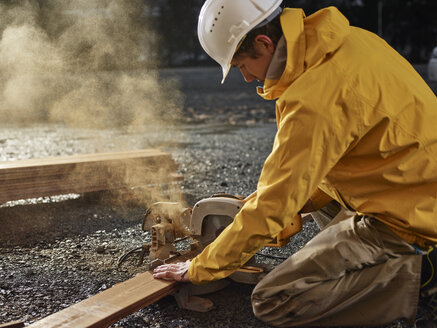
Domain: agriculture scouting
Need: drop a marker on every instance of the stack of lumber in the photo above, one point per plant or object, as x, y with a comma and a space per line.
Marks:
34, 178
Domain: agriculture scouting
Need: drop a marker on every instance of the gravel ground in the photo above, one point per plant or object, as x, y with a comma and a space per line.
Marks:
56, 251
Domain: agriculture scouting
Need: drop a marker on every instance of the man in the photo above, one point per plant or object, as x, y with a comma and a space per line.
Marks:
356, 123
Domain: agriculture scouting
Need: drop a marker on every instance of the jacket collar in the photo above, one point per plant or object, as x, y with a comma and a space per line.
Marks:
308, 41
279, 60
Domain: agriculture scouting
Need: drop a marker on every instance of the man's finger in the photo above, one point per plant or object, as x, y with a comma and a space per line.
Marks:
163, 275
169, 275
166, 267
172, 267
173, 271
161, 268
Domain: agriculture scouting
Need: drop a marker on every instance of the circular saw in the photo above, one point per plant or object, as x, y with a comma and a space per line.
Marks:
203, 222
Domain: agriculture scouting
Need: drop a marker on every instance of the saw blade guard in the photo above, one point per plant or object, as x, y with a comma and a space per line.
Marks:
210, 216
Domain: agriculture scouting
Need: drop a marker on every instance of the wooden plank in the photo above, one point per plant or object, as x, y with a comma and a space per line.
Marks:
13, 324
59, 165
113, 304
84, 173
82, 158
110, 305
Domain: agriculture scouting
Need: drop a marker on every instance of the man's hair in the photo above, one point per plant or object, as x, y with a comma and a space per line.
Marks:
273, 30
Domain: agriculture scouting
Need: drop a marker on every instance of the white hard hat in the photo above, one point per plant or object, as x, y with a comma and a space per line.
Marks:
224, 23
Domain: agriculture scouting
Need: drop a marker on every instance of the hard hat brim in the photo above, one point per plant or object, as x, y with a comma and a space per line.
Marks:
225, 71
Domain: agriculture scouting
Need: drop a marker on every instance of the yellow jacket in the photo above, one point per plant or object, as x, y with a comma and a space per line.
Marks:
354, 119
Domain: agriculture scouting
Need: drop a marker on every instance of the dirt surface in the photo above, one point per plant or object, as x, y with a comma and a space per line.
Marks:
56, 251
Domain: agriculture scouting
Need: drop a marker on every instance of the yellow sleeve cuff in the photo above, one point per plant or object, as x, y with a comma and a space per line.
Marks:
320, 199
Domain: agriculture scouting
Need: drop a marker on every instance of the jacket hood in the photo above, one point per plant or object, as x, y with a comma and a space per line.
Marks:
309, 40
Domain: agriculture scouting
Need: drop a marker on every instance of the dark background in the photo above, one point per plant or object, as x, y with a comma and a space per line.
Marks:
410, 26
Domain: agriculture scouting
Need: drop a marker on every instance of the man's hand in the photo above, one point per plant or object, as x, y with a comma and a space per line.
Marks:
176, 271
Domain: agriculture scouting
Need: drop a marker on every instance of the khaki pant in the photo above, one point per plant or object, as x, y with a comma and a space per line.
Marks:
354, 272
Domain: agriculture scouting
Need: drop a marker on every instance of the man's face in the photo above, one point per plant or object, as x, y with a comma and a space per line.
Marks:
256, 68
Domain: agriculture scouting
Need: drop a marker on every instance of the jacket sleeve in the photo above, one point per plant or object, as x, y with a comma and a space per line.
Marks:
319, 199
308, 143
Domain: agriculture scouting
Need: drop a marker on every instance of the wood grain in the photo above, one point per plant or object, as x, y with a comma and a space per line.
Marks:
84, 173
113, 304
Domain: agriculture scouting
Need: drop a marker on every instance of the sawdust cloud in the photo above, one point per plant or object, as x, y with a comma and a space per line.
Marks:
85, 63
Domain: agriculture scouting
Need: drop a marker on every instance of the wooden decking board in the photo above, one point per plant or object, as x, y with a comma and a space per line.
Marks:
113, 304
12, 324
19, 170
82, 158
84, 173
110, 305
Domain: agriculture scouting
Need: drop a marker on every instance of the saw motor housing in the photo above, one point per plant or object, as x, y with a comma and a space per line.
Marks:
166, 221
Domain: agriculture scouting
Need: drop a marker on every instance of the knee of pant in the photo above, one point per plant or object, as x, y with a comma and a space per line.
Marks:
271, 310
261, 308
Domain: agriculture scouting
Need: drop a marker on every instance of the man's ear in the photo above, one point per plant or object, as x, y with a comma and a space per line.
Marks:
266, 42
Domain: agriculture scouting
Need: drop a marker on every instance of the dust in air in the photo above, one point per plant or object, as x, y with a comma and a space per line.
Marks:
83, 63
